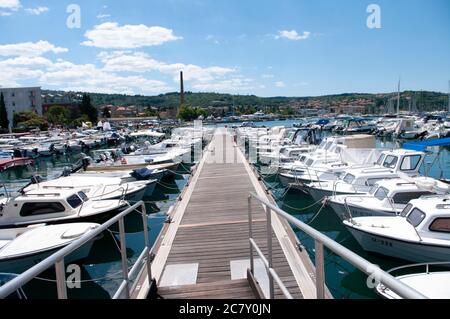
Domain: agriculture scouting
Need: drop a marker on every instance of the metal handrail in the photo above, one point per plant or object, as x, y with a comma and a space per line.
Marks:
270, 270
357, 261
57, 259
268, 264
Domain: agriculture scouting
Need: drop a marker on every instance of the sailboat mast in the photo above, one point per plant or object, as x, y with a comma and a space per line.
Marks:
398, 98
449, 96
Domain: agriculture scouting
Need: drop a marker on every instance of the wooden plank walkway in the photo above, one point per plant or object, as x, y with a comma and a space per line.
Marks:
210, 228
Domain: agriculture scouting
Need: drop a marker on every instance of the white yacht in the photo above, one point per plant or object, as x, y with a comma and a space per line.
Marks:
98, 187
333, 156
110, 162
359, 180
432, 280
23, 248
386, 198
421, 233
50, 206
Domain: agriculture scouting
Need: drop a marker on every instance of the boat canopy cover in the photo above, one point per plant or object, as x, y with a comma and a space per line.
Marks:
323, 122
142, 173
422, 145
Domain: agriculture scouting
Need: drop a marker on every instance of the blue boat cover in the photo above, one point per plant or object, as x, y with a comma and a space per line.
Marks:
142, 174
422, 145
323, 122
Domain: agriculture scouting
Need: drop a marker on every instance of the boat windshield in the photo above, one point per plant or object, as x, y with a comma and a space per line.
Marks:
381, 193
322, 145
83, 196
391, 161
74, 201
381, 159
349, 178
416, 217
406, 210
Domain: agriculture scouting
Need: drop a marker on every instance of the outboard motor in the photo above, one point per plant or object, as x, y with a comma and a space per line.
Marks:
17, 153
86, 161
66, 171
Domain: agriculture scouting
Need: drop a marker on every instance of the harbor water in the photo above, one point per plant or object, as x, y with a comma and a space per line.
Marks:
101, 271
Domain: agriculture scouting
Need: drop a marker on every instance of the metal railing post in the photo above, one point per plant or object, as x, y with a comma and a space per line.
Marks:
320, 271
357, 261
250, 233
61, 279
123, 254
270, 250
148, 262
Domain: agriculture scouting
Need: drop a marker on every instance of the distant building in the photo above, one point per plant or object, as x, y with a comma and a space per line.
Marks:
69, 101
21, 100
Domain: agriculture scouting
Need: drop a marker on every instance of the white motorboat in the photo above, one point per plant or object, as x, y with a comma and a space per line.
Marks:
126, 176
22, 248
333, 156
107, 162
432, 280
421, 233
359, 180
54, 207
97, 187
386, 198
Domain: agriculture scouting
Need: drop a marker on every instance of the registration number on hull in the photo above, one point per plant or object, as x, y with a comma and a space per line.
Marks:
382, 242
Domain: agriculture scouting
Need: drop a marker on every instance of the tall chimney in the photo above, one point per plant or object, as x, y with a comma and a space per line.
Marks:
181, 89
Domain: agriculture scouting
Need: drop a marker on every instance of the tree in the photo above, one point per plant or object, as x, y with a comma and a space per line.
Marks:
21, 117
30, 120
88, 109
58, 115
4, 123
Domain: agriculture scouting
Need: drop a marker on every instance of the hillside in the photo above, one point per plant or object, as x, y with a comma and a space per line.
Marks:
424, 101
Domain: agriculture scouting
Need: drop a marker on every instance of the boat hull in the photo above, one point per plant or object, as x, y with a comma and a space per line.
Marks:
410, 251
20, 264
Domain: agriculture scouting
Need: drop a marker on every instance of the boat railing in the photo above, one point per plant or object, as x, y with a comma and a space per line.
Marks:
57, 259
360, 198
427, 266
321, 241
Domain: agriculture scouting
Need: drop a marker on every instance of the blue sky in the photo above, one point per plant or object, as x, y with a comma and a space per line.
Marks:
262, 47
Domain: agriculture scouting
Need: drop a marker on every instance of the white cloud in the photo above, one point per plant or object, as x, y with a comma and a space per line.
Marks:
87, 77
139, 62
30, 49
228, 85
37, 11
110, 35
267, 76
212, 39
21, 68
293, 35
126, 72
280, 84
103, 16
8, 7
10, 4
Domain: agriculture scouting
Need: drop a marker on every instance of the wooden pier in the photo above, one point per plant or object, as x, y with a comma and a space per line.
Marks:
204, 252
